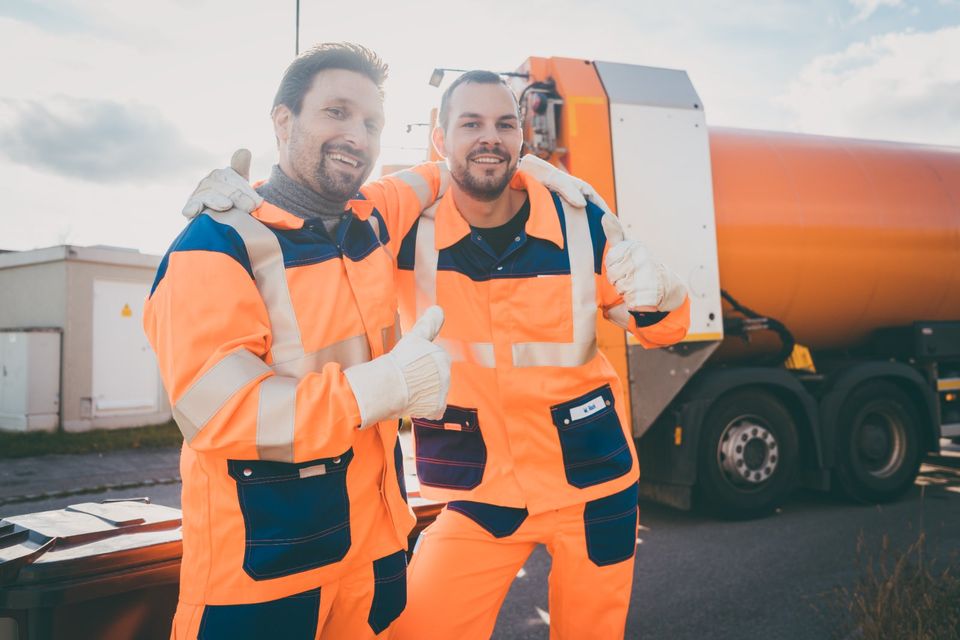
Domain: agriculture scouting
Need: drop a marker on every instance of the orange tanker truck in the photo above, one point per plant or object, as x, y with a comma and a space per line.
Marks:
824, 348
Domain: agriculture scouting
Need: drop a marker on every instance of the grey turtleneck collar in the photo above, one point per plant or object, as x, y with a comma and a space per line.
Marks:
300, 200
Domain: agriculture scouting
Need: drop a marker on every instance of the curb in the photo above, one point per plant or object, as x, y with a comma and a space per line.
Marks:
34, 497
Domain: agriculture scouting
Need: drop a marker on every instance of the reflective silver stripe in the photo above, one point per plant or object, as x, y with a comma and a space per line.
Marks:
276, 419
419, 185
425, 278
553, 354
425, 261
619, 315
346, 353
583, 289
478, 353
266, 261
214, 389
391, 335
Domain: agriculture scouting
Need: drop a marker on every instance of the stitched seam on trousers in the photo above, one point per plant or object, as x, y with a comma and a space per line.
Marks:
259, 542
452, 463
592, 461
611, 517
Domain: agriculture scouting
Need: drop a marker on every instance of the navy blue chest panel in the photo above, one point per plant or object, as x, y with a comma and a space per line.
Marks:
310, 244
528, 257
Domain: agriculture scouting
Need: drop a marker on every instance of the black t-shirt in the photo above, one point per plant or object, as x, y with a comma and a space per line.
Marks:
500, 238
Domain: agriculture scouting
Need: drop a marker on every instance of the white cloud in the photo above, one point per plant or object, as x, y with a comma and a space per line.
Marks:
97, 140
899, 86
868, 7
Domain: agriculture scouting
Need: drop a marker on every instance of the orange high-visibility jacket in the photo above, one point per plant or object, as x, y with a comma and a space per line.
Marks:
253, 319
535, 414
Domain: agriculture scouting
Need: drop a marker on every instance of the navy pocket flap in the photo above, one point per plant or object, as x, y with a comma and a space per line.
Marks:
459, 418
256, 471
583, 410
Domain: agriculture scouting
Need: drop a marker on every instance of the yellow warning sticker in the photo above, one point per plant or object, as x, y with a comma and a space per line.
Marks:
126, 312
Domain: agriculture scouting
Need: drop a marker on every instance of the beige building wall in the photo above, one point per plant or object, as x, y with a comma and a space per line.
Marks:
55, 288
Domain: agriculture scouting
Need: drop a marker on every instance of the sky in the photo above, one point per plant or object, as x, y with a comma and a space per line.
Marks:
112, 110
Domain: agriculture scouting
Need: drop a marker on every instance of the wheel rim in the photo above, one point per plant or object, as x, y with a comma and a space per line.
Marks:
748, 452
880, 442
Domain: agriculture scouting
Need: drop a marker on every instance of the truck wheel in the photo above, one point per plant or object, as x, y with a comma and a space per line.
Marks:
878, 443
749, 455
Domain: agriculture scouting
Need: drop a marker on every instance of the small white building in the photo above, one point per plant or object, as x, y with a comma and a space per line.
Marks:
72, 347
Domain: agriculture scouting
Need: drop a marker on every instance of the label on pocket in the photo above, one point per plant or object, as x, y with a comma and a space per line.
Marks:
587, 408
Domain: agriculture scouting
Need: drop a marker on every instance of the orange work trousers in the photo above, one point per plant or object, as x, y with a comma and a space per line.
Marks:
468, 558
361, 605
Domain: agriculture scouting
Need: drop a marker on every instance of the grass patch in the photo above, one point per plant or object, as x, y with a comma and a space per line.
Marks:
900, 594
22, 445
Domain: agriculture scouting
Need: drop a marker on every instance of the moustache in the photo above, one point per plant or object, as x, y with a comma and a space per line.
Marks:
347, 149
492, 151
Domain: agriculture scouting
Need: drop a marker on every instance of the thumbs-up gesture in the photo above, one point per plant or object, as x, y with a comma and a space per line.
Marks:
413, 379
645, 284
225, 189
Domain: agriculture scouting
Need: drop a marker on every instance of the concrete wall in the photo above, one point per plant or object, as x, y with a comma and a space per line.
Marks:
33, 295
54, 287
78, 348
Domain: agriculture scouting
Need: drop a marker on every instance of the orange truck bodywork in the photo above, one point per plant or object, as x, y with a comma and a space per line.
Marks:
839, 241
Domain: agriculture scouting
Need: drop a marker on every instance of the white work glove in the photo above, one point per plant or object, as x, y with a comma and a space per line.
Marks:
574, 190
225, 189
642, 281
413, 379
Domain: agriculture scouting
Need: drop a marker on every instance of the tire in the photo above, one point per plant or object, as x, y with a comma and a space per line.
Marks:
878, 443
748, 455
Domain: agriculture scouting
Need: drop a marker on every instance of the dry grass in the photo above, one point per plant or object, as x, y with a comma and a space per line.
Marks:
901, 595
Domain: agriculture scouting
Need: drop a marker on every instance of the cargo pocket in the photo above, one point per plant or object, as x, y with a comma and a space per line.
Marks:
290, 617
450, 452
297, 516
591, 439
389, 590
610, 527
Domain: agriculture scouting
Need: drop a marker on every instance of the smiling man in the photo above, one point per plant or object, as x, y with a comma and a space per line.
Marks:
535, 445
276, 337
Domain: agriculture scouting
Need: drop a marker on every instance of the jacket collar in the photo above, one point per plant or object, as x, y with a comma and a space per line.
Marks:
278, 218
543, 221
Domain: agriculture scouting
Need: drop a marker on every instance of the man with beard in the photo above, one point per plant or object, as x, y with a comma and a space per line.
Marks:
534, 447
277, 342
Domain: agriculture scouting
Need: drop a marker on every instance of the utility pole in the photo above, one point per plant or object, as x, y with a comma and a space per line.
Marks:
297, 29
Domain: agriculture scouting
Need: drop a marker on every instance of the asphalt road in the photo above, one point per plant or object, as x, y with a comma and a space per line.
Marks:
701, 578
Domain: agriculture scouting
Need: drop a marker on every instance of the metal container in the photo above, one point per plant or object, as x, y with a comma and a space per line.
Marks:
837, 237
92, 570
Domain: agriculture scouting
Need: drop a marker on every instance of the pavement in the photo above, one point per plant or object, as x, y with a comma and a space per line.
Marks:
780, 577
25, 480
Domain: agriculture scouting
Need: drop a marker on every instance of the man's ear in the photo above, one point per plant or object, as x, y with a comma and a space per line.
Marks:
438, 140
282, 122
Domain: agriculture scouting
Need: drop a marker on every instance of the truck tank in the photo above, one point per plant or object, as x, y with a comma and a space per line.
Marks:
837, 237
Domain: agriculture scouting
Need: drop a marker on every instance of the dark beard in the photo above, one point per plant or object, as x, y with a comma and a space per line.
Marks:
335, 185
482, 189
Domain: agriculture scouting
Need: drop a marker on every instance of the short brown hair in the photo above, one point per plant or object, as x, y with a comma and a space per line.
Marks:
299, 75
472, 77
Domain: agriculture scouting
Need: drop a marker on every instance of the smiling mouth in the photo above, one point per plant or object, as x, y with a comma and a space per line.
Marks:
345, 159
487, 159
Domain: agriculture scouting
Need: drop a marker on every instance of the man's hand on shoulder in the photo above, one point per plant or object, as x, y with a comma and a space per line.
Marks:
575, 191
225, 189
